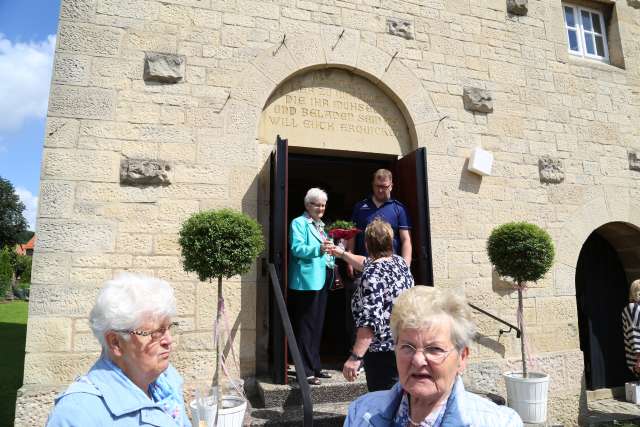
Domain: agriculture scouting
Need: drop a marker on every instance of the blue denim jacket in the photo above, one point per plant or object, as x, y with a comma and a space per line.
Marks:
105, 397
463, 409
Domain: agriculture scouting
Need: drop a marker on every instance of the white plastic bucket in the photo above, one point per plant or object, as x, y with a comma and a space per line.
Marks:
232, 412
528, 396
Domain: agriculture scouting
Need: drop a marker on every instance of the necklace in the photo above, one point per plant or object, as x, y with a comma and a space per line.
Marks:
413, 423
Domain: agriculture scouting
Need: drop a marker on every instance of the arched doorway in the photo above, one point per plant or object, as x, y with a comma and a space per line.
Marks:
608, 262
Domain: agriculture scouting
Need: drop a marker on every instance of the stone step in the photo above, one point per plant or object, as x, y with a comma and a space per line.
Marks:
324, 415
334, 389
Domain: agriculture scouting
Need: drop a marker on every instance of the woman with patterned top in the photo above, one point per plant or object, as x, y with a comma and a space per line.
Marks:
384, 277
631, 328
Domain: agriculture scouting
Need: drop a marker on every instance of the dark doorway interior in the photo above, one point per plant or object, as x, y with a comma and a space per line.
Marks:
601, 292
346, 180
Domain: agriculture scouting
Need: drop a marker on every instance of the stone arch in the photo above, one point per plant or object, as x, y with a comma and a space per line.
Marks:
611, 206
301, 53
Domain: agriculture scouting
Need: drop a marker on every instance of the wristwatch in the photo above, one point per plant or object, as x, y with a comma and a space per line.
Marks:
353, 356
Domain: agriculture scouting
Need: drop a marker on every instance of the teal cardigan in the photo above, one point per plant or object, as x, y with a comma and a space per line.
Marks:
307, 264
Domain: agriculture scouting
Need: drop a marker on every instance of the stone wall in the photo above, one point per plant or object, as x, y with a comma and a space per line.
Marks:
560, 129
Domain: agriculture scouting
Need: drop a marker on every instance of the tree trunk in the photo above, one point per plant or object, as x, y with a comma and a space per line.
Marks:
522, 333
219, 348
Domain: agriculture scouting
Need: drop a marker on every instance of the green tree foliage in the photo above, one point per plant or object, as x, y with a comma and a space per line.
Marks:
12, 221
521, 251
23, 268
220, 243
6, 271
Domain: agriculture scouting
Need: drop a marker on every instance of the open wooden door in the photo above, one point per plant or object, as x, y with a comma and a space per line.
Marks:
278, 256
410, 187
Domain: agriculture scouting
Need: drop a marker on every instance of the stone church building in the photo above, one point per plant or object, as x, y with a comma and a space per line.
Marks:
162, 108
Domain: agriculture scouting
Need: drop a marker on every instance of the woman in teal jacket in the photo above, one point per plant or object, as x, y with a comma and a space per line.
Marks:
308, 264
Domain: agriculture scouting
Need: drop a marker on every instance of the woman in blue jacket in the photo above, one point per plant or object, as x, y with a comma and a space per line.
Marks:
308, 245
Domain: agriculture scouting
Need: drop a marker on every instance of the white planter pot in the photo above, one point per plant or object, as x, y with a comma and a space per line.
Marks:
231, 414
528, 396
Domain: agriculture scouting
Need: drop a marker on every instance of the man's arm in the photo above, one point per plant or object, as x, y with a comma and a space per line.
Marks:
405, 246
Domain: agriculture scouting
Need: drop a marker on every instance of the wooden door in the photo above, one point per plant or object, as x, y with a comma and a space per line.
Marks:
278, 256
410, 187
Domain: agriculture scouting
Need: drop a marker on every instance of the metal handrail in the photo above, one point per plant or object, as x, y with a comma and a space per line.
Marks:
307, 405
502, 331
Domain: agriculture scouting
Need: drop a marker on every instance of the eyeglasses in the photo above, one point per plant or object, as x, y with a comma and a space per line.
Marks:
317, 205
435, 355
155, 335
382, 187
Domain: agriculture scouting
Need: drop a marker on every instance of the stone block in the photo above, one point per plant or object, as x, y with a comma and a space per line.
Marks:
34, 401
307, 51
166, 244
136, 9
78, 165
51, 268
85, 343
144, 172
517, 7
56, 368
61, 132
48, 334
163, 67
551, 170
73, 69
56, 199
134, 243
62, 301
81, 102
400, 28
477, 99
93, 40
75, 236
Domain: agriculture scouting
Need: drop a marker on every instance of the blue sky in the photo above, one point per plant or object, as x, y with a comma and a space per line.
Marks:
27, 41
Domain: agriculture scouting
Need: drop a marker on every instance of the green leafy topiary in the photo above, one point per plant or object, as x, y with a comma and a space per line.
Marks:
217, 244
523, 252
220, 243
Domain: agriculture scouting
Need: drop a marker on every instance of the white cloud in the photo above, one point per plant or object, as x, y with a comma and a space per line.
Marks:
31, 203
26, 75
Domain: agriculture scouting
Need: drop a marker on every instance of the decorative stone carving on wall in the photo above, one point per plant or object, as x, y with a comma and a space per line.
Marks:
551, 170
144, 172
477, 99
400, 28
634, 4
163, 67
517, 7
634, 161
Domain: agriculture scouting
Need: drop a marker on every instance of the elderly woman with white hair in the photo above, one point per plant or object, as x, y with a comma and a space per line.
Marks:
309, 246
631, 328
432, 330
132, 383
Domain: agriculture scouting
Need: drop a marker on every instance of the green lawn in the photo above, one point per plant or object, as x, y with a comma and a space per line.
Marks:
13, 328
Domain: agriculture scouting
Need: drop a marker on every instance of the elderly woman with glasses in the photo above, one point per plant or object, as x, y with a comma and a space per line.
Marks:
132, 383
308, 264
432, 330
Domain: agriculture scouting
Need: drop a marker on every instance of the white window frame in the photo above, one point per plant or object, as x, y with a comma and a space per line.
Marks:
582, 33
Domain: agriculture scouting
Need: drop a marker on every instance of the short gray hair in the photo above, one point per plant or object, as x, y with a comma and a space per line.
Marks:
127, 301
315, 195
634, 291
423, 306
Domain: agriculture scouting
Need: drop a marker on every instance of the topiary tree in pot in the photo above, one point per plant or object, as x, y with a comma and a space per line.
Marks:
524, 253
217, 244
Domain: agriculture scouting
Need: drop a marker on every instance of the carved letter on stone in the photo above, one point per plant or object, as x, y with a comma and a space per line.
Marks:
400, 28
476, 99
163, 68
634, 161
517, 7
551, 170
143, 172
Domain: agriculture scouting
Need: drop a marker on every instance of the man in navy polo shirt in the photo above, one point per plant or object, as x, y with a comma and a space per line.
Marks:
381, 205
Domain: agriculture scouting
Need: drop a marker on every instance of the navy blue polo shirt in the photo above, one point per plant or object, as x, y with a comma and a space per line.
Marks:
392, 211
